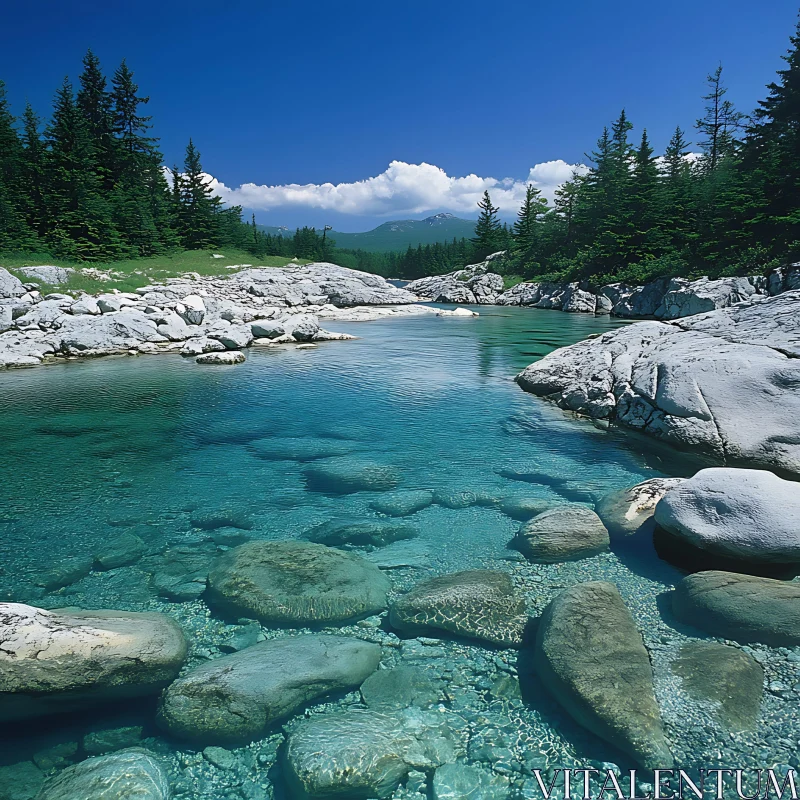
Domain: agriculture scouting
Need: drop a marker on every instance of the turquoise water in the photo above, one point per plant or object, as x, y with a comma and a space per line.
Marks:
146, 444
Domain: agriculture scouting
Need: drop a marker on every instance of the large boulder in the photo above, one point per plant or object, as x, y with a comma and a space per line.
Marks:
745, 514
234, 699
348, 474
360, 755
290, 583
699, 383
629, 511
110, 333
48, 274
125, 775
10, 285
727, 677
564, 533
480, 604
740, 607
685, 298
590, 655
60, 661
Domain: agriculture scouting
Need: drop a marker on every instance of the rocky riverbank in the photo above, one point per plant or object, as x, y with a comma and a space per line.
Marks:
665, 298
196, 316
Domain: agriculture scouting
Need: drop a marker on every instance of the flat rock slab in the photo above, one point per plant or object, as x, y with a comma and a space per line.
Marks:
59, 661
287, 583
360, 532
479, 604
120, 776
228, 358
564, 533
740, 607
630, 511
590, 655
234, 699
746, 514
727, 677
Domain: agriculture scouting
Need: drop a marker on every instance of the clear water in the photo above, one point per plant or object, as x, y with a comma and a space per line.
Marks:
87, 446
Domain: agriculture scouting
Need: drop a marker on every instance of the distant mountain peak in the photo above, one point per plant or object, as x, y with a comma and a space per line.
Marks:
437, 219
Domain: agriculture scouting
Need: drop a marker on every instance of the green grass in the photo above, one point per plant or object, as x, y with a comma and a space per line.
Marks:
130, 274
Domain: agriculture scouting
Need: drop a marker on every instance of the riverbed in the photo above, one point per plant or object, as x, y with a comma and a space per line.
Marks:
151, 443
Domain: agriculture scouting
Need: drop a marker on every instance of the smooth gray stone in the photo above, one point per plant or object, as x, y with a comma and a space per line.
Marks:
590, 655
122, 550
59, 661
564, 533
745, 514
401, 687
234, 699
287, 583
740, 607
120, 776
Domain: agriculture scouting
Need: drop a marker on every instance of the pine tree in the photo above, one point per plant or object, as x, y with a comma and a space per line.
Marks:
81, 216
676, 191
772, 158
15, 232
488, 230
525, 227
95, 103
648, 237
720, 123
197, 225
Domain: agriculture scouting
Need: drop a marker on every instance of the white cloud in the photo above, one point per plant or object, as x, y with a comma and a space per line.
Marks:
402, 189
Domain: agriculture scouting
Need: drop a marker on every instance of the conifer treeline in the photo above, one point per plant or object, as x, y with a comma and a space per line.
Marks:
634, 216
89, 184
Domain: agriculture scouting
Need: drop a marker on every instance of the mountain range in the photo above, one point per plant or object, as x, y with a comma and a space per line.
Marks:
397, 234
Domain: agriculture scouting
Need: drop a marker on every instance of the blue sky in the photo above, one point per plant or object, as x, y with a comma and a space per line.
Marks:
311, 92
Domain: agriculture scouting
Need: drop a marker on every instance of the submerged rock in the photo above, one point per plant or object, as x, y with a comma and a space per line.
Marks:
401, 687
121, 776
360, 532
234, 699
299, 448
347, 475
745, 514
122, 550
727, 677
564, 533
630, 511
464, 782
590, 655
524, 508
287, 583
455, 498
360, 755
59, 661
402, 504
181, 572
224, 518
480, 604
740, 607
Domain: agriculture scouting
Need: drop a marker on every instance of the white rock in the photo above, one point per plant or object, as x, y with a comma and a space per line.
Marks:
194, 309
85, 305
720, 383
10, 286
746, 514
200, 345
57, 661
48, 274
108, 304
228, 357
